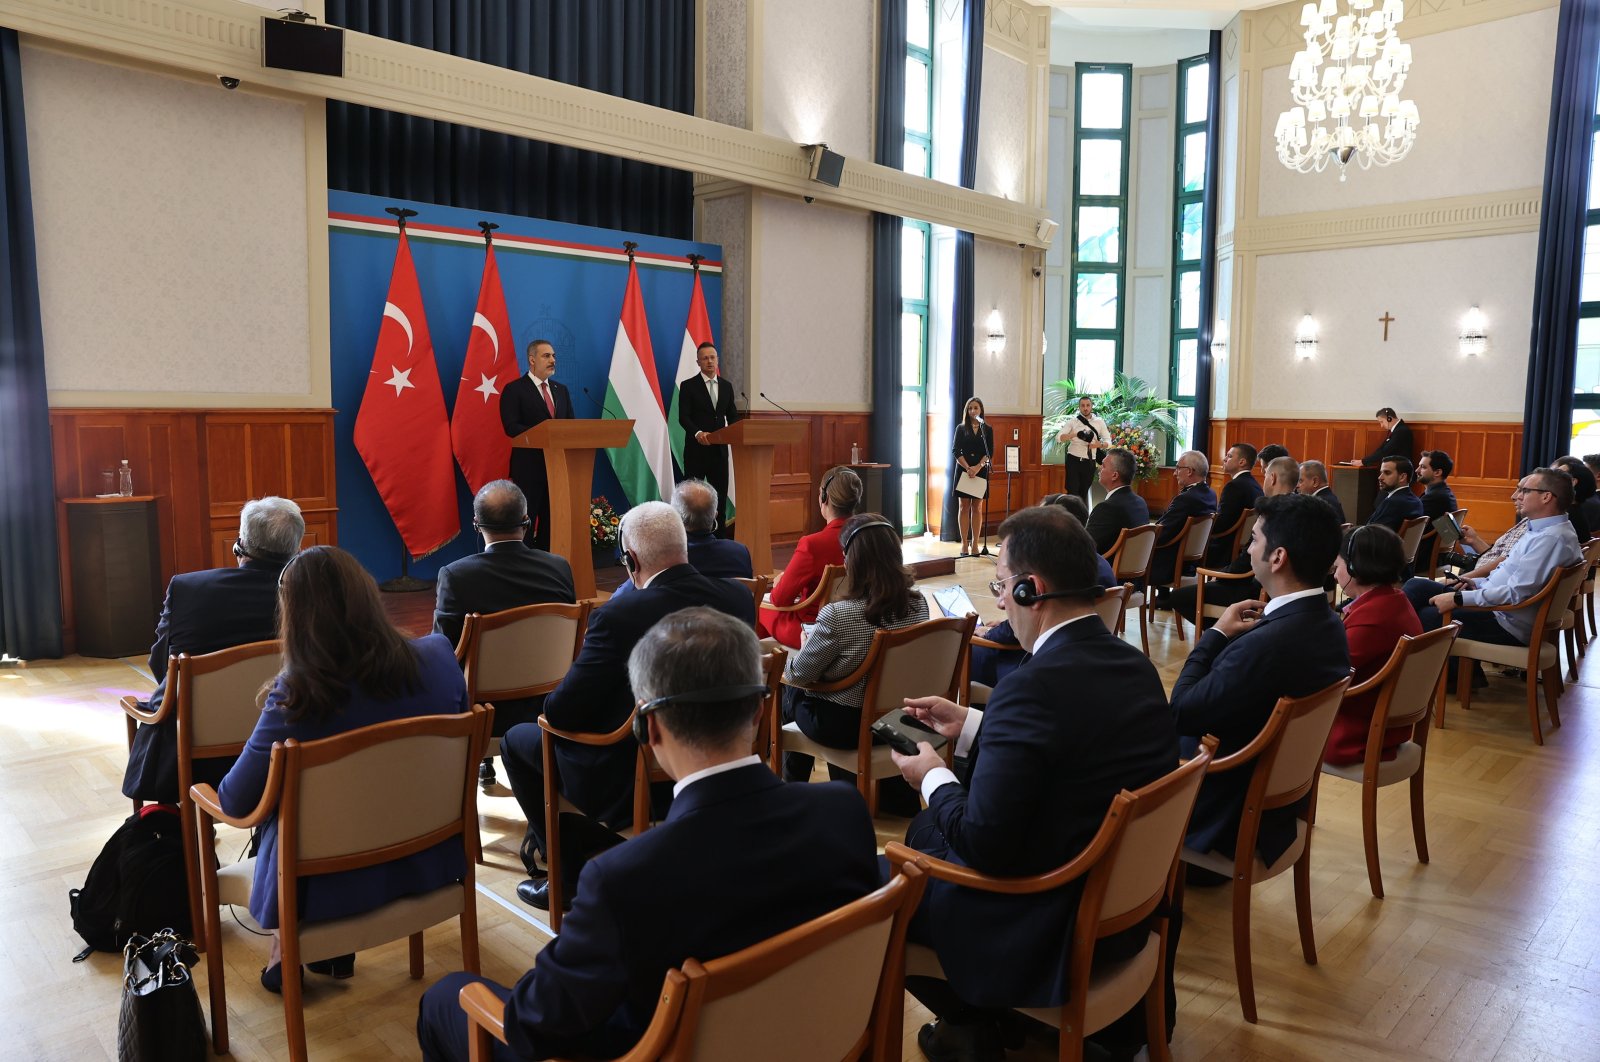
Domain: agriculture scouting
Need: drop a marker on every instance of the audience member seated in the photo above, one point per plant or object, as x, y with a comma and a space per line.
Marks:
1543, 498
838, 498
595, 698
881, 599
345, 666
1585, 512
1281, 478
1397, 502
507, 574
1270, 453
1238, 494
740, 858
1121, 507
1195, 499
1371, 563
1314, 482
206, 612
1433, 472
989, 666
1084, 718
718, 558
1292, 646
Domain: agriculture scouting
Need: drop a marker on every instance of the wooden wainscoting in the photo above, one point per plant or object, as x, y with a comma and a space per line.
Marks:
202, 465
1487, 455
1035, 479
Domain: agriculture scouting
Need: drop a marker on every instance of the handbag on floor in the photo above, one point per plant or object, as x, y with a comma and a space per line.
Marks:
160, 1020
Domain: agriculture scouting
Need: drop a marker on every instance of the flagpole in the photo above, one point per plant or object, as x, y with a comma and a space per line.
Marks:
403, 583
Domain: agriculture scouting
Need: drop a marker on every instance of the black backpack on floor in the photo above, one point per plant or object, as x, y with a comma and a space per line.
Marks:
136, 885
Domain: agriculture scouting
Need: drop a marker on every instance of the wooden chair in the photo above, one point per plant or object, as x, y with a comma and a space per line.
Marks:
828, 587
1285, 758
1411, 537
1213, 611
1130, 562
1129, 870
215, 700
772, 664
758, 587
830, 988
922, 660
357, 799
1112, 606
1192, 539
1539, 658
1572, 628
1237, 536
978, 692
1406, 689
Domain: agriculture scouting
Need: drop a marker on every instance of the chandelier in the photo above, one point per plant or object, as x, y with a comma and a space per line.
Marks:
1346, 85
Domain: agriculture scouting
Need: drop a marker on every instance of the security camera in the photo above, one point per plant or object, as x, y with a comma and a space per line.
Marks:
809, 198
229, 83
1037, 271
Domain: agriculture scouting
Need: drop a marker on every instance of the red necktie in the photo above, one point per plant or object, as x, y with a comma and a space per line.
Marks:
549, 403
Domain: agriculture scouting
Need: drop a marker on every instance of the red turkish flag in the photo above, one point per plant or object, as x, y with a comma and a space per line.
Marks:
401, 431
482, 449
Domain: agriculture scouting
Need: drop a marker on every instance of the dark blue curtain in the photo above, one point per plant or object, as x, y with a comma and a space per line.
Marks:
30, 578
884, 438
962, 312
1208, 247
641, 50
1547, 410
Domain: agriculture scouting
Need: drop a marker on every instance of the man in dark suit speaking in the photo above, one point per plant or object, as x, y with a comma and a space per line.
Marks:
526, 402
705, 404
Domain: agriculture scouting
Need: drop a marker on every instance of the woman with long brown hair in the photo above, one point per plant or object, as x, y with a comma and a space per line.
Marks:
878, 596
973, 451
345, 666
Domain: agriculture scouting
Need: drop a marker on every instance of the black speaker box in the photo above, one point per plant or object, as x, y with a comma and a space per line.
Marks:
303, 46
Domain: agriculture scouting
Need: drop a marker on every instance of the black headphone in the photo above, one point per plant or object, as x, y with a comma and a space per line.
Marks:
259, 554
718, 695
497, 528
1023, 593
628, 561
850, 534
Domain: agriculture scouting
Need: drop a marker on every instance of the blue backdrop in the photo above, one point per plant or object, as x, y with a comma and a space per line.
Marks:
553, 291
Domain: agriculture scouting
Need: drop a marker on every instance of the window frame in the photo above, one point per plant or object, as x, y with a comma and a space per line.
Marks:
1076, 268
916, 521
1181, 266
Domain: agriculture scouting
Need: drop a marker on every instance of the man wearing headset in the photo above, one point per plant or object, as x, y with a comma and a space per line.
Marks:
1045, 766
507, 574
741, 857
721, 558
206, 612
595, 698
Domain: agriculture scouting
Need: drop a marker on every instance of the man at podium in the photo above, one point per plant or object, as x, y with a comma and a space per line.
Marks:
528, 401
705, 404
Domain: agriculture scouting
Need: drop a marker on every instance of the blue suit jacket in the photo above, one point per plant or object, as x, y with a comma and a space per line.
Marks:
1238, 494
1197, 499
719, 558
1063, 734
440, 691
989, 666
741, 857
1394, 510
1228, 687
595, 697
1119, 510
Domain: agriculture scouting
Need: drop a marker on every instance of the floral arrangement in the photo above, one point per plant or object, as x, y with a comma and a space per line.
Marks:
604, 524
1139, 444
1130, 402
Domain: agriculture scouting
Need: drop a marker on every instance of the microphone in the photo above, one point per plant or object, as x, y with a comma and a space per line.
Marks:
763, 394
977, 418
601, 405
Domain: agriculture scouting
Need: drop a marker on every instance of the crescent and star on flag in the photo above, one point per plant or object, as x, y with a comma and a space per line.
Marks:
487, 387
401, 378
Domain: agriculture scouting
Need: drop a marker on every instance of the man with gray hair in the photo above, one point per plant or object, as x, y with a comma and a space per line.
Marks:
720, 558
205, 612
1195, 499
1121, 507
1314, 481
795, 852
595, 697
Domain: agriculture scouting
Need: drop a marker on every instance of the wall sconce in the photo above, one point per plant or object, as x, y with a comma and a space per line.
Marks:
1219, 341
997, 333
1305, 337
1474, 337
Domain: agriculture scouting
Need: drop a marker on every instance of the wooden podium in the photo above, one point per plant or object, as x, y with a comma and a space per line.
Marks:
1357, 489
752, 442
569, 447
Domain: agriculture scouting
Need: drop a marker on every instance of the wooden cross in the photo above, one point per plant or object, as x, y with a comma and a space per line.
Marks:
1386, 320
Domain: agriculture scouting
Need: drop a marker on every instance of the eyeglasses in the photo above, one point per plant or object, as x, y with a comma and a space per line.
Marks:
1520, 489
998, 586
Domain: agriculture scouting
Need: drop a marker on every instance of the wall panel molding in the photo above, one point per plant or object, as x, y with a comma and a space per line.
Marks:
1457, 217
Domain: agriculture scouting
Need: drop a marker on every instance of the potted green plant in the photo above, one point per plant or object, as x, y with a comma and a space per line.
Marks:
1130, 409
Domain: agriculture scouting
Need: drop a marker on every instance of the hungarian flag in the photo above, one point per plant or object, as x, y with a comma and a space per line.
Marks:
644, 465
696, 331
401, 430
482, 449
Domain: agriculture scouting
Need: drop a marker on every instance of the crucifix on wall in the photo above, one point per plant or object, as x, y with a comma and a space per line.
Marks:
1386, 320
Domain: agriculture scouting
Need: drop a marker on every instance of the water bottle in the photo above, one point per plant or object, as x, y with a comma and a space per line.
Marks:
855, 453
125, 480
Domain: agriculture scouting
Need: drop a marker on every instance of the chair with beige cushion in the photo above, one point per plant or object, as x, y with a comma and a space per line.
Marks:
1202, 610
1285, 760
1129, 871
1109, 607
1411, 537
829, 586
1130, 562
215, 700
1406, 689
1192, 539
357, 799
757, 585
1539, 659
830, 988
1238, 536
1572, 628
978, 693
923, 660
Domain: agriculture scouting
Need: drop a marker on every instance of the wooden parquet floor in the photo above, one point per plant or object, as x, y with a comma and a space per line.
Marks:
1492, 951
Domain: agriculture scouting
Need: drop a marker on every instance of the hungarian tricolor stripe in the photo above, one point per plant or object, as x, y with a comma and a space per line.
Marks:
481, 447
644, 465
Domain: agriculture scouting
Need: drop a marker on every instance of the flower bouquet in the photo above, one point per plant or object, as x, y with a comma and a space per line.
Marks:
604, 524
1139, 444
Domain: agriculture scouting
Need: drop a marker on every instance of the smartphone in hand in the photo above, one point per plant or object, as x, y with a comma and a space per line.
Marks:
896, 740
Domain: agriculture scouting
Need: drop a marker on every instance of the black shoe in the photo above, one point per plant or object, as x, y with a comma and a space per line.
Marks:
942, 1042
486, 772
536, 894
529, 854
1202, 878
340, 967
272, 978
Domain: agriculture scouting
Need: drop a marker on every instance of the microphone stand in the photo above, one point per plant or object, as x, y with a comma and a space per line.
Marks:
983, 520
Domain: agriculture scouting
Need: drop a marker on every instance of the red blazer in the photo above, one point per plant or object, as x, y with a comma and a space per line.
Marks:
815, 552
1373, 624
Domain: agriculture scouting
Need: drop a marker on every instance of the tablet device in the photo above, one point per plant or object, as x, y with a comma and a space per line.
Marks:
1449, 531
953, 601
